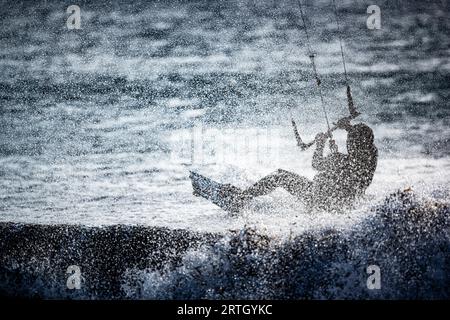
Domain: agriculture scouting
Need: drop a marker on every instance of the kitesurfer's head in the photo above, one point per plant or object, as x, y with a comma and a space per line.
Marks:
360, 137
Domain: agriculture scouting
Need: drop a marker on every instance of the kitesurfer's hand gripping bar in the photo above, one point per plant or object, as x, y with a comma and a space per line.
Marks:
304, 146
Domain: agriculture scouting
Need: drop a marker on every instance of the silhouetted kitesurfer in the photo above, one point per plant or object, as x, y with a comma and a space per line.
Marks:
340, 178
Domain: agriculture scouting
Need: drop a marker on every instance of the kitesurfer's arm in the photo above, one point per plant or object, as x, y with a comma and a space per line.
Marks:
351, 105
318, 160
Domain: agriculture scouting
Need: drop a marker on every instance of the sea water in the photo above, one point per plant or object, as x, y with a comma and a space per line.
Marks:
101, 125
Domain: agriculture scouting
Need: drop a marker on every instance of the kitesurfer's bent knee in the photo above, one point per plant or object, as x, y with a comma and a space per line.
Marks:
293, 183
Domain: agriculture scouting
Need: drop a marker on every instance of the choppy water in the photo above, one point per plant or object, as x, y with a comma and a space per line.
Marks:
406, 238
96, 124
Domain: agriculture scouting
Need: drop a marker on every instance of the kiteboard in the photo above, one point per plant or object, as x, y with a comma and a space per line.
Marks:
226, 196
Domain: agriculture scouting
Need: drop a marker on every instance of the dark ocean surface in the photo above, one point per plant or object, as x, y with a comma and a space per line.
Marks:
100, 126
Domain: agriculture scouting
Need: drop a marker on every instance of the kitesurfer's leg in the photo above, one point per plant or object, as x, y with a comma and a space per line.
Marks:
293, 183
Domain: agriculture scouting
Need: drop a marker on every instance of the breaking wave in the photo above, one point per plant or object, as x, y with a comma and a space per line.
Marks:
406, 236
